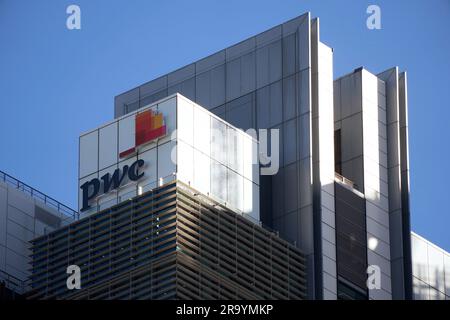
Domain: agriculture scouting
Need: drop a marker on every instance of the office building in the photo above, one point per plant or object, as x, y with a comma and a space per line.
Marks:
181, 141
169, 203
283, 79
25, 213
372, 153
431, 270
340, 194
273, 81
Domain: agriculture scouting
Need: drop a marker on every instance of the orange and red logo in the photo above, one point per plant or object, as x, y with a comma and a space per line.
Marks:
149, 126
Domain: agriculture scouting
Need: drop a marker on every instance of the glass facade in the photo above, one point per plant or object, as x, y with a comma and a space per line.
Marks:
351, 239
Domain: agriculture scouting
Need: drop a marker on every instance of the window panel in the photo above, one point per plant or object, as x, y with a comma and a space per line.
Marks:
262, 67
233, 79
218, 86
88, 153
289, 57
276, 112
290, 141
275, 67
248, 73
289, 101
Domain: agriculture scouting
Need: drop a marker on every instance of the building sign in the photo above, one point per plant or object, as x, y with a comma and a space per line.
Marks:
108, 182
149, 126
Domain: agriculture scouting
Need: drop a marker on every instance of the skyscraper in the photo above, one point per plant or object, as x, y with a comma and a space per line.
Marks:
283, 79
339, 200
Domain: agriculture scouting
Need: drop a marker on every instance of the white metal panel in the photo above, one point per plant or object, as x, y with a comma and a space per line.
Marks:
168, 108
202, 130
167, 160
150, 167
202, 172
185, 162
127, 133
185, 121
88, 153
108, 145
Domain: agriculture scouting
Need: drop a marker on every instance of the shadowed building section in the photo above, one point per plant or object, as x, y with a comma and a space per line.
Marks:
169, 243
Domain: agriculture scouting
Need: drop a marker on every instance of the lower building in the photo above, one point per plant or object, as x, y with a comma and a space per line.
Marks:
25, 213
431, 270
171, 242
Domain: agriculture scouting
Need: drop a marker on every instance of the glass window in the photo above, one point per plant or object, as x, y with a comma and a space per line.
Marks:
262, 108
276, 107
262, 67
203, 89
289, 56
248, 72
233, 79
275, 67
239, 112
289, 100
217, 86
290, 141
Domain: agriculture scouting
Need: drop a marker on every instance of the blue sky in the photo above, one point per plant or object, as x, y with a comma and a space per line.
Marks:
56, 83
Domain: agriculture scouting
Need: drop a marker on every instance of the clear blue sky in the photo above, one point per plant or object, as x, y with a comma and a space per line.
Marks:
56, 83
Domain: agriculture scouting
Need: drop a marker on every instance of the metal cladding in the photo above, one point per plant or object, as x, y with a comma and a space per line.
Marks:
171, 242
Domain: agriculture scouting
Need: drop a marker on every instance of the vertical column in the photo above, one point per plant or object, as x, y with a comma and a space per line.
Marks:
323, 165
398, 180
305, 203
375, 181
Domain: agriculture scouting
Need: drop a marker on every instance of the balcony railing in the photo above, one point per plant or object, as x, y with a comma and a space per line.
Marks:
345, 181
13, 283
50, 202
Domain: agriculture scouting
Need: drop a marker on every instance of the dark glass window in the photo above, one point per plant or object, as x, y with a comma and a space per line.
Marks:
351, 238
347, 292
337, 152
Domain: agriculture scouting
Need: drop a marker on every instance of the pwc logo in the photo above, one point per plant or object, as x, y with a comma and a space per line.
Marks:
149, 126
